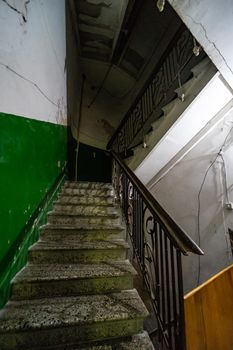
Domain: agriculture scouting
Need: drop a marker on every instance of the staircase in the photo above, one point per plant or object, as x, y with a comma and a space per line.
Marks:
76, 292
202, 73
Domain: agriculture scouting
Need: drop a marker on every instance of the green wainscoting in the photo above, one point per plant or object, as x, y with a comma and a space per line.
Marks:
32, 156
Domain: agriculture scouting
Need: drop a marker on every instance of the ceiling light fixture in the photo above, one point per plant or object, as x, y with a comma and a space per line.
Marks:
161, 5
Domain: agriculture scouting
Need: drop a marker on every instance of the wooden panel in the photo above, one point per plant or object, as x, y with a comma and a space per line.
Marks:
209, 314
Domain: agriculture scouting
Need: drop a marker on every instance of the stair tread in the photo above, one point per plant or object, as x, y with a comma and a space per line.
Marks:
51, 272
75, 292
95, 212
39, 314
79, 244
98, 192
85, 201
86, 184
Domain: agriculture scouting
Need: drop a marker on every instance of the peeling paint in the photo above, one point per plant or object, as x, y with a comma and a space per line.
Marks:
32, 155
109, 129
101, 19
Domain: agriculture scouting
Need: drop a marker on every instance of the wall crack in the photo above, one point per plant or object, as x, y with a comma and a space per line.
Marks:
18, 11
29, 81
210, 41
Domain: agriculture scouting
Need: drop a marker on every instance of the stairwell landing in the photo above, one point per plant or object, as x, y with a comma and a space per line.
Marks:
76, 292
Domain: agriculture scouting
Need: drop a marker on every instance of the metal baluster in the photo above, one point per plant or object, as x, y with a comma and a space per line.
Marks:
141, 230
174, 297
181, 302
134, 218
137, 232
163, 254
158, 279
162, 295
168, 303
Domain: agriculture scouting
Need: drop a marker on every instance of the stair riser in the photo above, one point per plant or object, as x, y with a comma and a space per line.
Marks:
74, 256
85, 210
140, 341
37, 290
90, 185
88, 236
70, 335
81, 222
86, 192
75, 200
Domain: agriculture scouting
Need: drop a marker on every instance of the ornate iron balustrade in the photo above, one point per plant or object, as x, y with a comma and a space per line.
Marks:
158, 243
168, 75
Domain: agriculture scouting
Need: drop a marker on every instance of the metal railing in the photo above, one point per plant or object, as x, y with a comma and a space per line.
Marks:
158, 243
171, 71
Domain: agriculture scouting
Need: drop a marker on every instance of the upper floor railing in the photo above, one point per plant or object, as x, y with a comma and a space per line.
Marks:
172, 70
158, 243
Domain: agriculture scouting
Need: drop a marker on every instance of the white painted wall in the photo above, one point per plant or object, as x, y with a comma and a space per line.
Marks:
211, 22
34, 50
178, 189
193, 119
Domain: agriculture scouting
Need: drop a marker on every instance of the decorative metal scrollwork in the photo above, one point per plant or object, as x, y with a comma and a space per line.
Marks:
157, 258
161, 84
150, 252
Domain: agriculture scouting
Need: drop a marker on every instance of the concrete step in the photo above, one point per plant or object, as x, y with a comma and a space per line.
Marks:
140, 341
201, 67
73, 219
88, 192
168, 107
71, 320
84, 200
57, 280
88, 185
89, 210
156, 124
54, 232
78, 251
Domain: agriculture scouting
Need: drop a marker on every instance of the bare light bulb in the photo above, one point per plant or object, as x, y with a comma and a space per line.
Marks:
182, 97
196, 48
161, 5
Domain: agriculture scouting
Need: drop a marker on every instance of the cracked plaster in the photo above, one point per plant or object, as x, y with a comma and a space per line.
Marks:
211, 22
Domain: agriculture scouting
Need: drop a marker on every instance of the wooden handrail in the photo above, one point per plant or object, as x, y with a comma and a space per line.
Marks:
179, 237
209, 313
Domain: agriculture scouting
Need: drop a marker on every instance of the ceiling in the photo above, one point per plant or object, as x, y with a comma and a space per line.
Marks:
119, 44
123, 33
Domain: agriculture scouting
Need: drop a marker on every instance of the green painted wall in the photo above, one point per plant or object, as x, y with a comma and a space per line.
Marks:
32, 155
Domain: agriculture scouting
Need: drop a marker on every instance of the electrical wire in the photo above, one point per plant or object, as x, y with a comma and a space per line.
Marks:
199, 214
46, 26
225, 178
219, 154
101, 86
